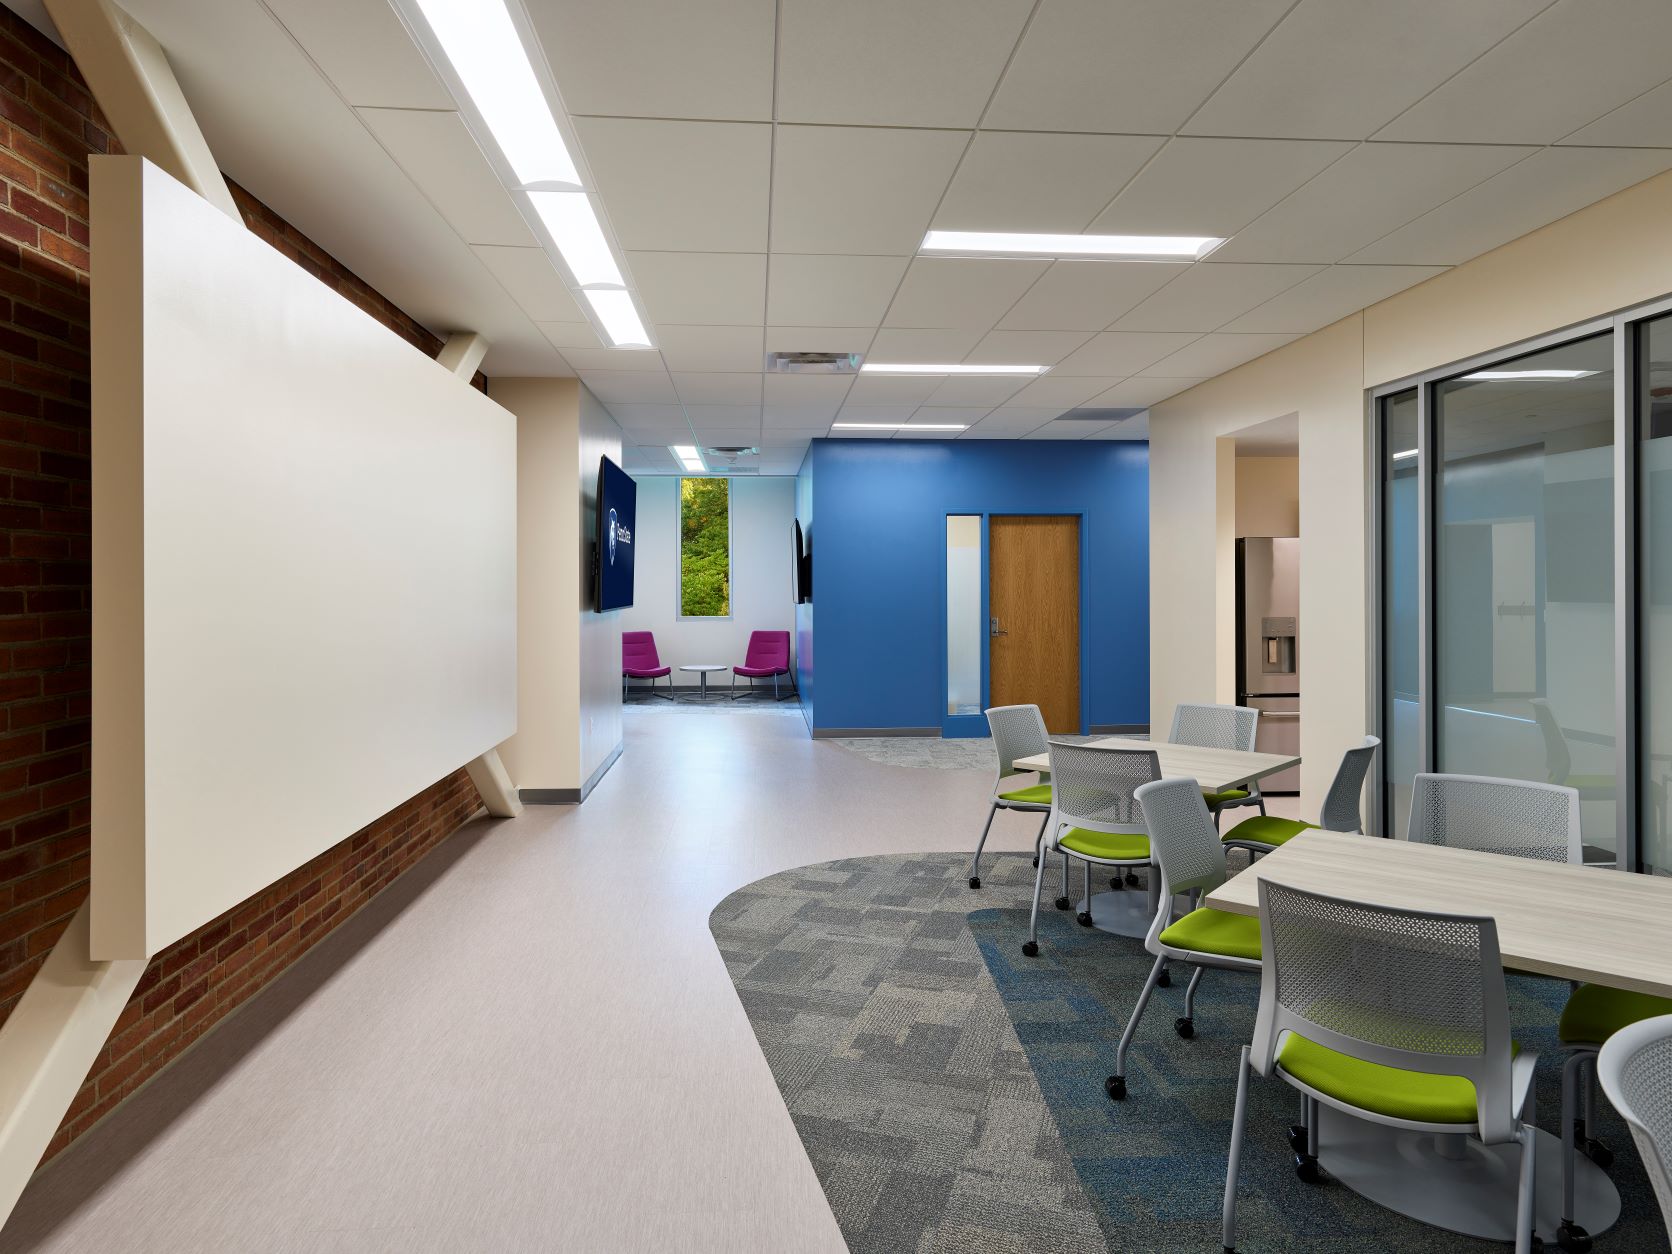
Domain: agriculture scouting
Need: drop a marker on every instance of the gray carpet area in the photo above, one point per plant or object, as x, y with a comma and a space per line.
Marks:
932, 752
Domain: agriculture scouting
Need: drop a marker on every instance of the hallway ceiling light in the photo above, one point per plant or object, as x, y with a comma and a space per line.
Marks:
486, 52
890, 367
1027, 244
1401, 456
574, 227
899, 426
615, 309
689, 456
1531, 374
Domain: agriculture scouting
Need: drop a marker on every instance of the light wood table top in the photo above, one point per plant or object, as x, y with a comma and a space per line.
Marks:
1602, 926
1215, 769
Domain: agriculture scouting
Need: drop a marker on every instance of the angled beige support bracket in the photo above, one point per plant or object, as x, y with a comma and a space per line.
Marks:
462, 354
134, 84
49, 1044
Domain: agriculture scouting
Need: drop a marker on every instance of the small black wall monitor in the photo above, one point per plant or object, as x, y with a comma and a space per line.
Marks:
617, 517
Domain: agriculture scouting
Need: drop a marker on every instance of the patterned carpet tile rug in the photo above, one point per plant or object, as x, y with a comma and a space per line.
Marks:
949, 1091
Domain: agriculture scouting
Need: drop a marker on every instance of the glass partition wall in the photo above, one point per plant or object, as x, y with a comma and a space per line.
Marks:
1524, 577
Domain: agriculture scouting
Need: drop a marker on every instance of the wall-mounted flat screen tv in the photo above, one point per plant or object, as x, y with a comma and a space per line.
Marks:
617, 517
798, 578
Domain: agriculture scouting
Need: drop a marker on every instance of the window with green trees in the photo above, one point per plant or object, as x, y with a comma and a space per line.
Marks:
705, 548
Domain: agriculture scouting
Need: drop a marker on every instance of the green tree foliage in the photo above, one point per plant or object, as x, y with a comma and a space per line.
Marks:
705, 547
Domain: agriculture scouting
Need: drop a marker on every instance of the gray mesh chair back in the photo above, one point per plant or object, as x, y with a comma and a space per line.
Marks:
1341, 803
1214, 726
1635, 1068
1018, 732
1403, 988
1182, 838
1507, 816
1097, 788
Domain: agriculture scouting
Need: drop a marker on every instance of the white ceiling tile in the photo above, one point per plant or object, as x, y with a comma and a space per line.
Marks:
1117, 354
967, 414
1331, 295
1574, 62
960, 291
442, 159
613, 358
1133, 428
1342, 68
831, 291
630, 387
1026, 348
692, 348
1369, 192
718, 389
1214, 354
841, 189
786, 339
1206, 297
567, 335
1125, 66
1060, 431
648, 58
1144, 391
648, 415
922, 345
724, 417
1198, 186
805, 395
1087, 295
876, 413
788, 418
1645, 122
1029, 181
365, 52
913, 431
681, 186
1546, 186
1065, 391
962, 391
532, 281
721, 437
701, 288
1010, 424
874, 389
880, 62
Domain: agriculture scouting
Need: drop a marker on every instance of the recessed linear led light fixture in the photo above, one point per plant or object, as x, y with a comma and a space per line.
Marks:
889, 367
899, 426
1116, 247
615, 309
486, 52
1399, 457
575, 230
689, 456
1531, 374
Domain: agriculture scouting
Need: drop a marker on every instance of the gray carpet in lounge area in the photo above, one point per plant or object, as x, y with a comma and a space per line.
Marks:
949, 1090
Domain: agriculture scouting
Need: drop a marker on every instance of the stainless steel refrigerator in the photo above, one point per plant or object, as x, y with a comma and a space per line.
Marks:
1268, 647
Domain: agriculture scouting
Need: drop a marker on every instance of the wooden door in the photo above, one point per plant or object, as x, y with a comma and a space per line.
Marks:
1033, 576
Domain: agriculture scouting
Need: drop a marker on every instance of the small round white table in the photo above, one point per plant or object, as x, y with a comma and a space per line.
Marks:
704, 671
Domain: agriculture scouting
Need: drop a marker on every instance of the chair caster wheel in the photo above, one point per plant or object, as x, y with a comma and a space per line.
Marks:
1132, 878
1031, 948
975, 881
1164, 980
1063, 903
1185, 1028
1297, 1138
1599, 1153
1306, 1167
1115, 885
1036, 859
1083, 918
1115, 1087
1572, 1238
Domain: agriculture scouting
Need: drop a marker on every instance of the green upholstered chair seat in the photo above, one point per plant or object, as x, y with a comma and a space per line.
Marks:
1034, 795
1220, 798
1210, 931
1392, 1091
1268, 829
1110, 846
1594, 1013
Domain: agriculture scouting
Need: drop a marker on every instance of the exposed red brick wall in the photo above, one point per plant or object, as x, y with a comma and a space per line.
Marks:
48, 125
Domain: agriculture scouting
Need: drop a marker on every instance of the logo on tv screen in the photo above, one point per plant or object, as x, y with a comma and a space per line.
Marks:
617, 533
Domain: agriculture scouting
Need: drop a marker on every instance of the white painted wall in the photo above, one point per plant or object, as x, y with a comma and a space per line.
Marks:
1605, 257
305, 561
762, 519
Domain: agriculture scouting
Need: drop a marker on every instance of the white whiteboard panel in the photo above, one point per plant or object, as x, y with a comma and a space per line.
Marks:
304, 565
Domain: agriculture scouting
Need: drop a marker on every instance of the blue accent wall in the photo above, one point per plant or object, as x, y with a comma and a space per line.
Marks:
879, 568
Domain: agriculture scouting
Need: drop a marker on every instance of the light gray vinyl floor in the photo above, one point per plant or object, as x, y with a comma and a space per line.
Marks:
529, 1042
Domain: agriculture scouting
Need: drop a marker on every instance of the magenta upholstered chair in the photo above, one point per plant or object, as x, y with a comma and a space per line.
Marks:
640, 661
769, 654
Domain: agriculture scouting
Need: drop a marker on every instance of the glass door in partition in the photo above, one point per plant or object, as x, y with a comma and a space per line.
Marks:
1523, 579
1401, 605
1654, 641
